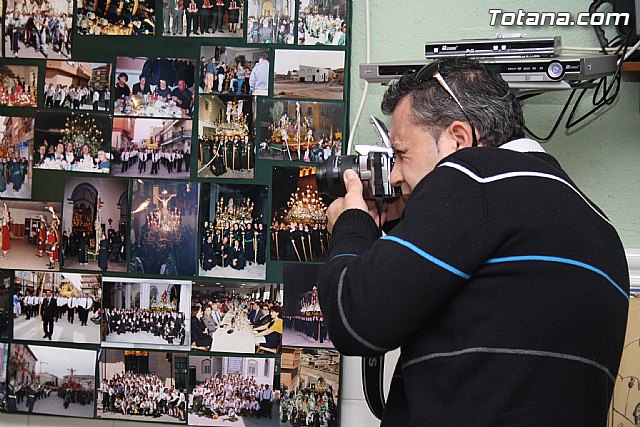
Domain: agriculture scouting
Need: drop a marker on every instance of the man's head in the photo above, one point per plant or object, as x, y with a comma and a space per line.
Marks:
428, 124
182, 85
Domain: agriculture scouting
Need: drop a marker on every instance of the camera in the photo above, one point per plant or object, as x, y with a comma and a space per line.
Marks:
373, 164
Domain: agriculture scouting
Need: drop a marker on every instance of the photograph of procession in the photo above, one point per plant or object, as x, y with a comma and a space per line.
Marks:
59, 307
232, 391
16, 150
142, 385
226, 136
239, 70
115, 18
203, 18
300, 131
51, 380
309, 74
8, 308
151, 148
94, 224
154, 87
271, 21
235, 317
309, 383
20, 238
164, 226
76, 85
233, 231
322, 23
144, 313
18, 85
298, 216
72, 142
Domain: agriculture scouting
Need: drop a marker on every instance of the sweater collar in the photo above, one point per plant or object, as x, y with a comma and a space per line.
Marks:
523, 145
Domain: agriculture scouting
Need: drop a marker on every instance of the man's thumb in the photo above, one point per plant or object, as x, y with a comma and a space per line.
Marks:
352, 182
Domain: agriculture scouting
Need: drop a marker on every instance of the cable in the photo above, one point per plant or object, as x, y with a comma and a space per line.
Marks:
556, 124
588, 49
365, 91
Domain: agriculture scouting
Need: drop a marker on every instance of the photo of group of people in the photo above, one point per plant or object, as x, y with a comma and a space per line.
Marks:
16, 148
239, 70
203, 18
115, 18
75, 85
271, 22
322, 22
18, 85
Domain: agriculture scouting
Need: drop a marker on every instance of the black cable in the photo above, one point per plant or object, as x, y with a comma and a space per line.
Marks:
556, 124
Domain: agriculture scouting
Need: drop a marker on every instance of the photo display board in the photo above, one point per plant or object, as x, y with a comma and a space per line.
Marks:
161, 229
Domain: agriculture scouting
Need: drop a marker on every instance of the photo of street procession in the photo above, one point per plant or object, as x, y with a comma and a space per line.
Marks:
322, 22
16, 151
309, 74
75, 85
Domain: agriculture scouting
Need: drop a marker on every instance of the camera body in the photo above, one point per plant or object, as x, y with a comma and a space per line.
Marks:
372, 163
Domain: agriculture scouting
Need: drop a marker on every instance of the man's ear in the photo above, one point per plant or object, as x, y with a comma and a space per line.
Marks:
461, 134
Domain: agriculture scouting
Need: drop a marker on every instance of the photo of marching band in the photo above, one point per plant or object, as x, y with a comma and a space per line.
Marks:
74, 142
154, 148
226, 136
322, 22
164, 224
299, 219
300, 131
271, 22
239, 70
140, 385
303, 321
146, 313
234, 317
203, 18
233, 231
30, 237
309, 74
94, 224
233, 391
49, 302
51, 380
115, 17
18, 85
16, 150
77, 85
309, 387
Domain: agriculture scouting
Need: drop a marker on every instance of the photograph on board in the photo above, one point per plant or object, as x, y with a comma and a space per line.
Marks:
16, 152
322, 23
239, 70
18, 85
115, 18
203, 18
271, 22
75, 85
309, 74
9, 305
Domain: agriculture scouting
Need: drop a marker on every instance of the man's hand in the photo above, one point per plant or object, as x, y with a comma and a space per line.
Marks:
352, 200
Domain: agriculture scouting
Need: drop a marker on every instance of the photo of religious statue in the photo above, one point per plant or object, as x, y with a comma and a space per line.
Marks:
18, 85
115, 17
322, 23
16, 152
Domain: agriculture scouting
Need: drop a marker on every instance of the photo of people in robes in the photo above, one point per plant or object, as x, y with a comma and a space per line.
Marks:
164, 226
18, 85
226, 136
95, 221
16, 150
145, 313
58, 307
73, 85
233, 231
52, 380
298, 216
30, 235
115, 18
322, 23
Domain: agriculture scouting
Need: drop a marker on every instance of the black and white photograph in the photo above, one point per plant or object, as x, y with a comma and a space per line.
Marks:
236, 317
239, 70
145, 313
226, 136
271, 21
18, 85
303, 321
30, 236
142, 385
72, 141
52, 380
299, 216
309, 386
9, 306
115, 18
322, 23
38, 29
94, 224
203, 18
151, 148
58, 307
233, 231
164, 226
73, 85
309, 74
16, 152
154, 87
300, 131
232, 391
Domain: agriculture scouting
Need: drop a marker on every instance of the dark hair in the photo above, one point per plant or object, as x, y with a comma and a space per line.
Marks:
126, 77
263, 56
490, 104
277, 309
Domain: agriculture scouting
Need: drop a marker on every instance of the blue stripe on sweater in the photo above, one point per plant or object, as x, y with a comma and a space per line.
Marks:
559, 260
428, 257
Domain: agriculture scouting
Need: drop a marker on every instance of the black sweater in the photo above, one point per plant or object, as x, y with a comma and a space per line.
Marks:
504, 286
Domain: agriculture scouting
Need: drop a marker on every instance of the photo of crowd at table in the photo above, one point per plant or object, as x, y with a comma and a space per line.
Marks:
238, 70
141, 385
38, 29
18, 85
65, 307
154, 87
226, 137
271, 22
164, 226
203, 18
154, 148
322, 22
16, 150
298, 227
76, 86
115, 17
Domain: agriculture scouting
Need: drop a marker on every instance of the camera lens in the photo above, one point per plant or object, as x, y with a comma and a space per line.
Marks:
329, 174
